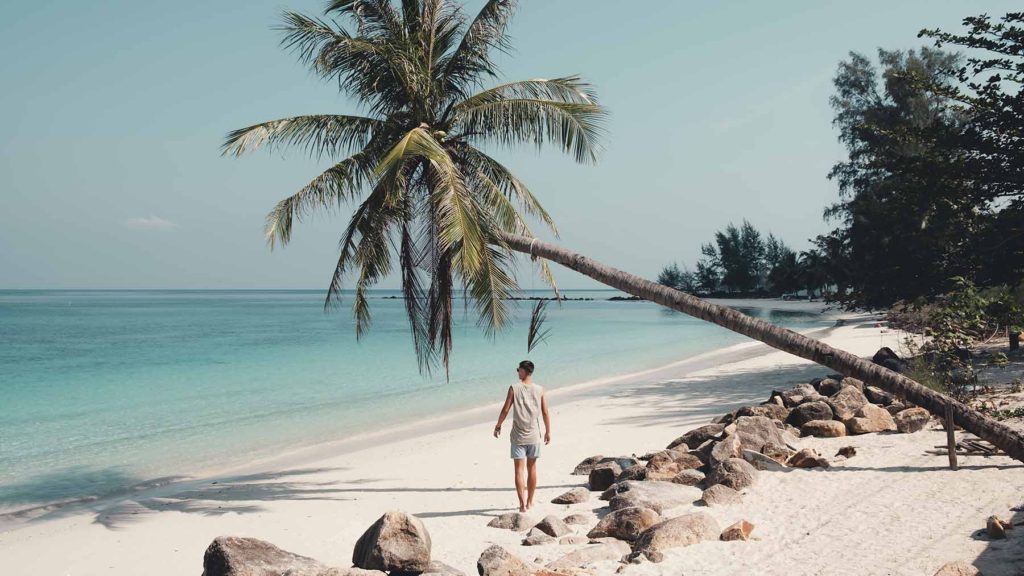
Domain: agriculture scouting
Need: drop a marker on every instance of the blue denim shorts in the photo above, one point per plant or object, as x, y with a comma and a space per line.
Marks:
520, 451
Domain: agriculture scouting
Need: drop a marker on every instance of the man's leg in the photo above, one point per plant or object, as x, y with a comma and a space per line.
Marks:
531, 468
520, 469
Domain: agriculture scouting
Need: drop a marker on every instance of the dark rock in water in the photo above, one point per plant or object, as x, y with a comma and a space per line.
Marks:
677, 532
603, 476
698, 436
804, 413
395, 542
496, 561
231, 556
625, 523
736, 473
724, 419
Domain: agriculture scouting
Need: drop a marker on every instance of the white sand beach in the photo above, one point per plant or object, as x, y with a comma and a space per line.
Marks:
892, 509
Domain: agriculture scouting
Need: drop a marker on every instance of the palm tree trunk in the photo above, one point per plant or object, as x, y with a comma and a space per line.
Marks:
1000, 435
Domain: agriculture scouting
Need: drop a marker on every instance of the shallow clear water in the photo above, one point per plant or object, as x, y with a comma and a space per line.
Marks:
102, 390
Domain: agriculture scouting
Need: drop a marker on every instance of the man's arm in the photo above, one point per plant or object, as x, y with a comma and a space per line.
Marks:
547, 418
504, 412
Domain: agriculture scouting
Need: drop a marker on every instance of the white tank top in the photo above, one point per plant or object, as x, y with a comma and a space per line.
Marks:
526, 413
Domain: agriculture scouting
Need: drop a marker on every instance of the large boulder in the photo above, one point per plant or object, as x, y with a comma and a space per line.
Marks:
588, 464
804, 413
574, 496
870, 418
876, 395
846, 402
677, 532
553, 526
698, 436
756, 431
688, 478
396, 541
772, 410
796, 395
720, 495
736, 473
728, 447
584, 467
666, 464
603, 475
658, 496
625, 523
513, 521
912, 420
496, 561
823, 429
232, 556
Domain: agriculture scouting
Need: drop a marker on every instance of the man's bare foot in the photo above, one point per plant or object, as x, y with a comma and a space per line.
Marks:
523, 508
529, 505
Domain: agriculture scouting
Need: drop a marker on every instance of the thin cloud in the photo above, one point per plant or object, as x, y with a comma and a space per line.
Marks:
150, 223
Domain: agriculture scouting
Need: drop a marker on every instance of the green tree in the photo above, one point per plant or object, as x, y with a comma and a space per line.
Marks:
434, 204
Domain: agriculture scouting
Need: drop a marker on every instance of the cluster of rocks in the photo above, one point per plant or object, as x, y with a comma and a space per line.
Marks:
397, 544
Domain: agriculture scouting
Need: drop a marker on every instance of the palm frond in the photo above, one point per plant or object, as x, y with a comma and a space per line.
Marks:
472, 61
574, 127
416, 300
320, 135
372, 17
490, 289
440, 307
537, 333
338, 184
508, 183
571, 89
368, 213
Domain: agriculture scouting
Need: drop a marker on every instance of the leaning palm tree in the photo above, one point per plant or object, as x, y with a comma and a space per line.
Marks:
442, 212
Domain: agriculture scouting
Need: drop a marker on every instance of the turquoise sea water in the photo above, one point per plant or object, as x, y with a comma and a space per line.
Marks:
103, 390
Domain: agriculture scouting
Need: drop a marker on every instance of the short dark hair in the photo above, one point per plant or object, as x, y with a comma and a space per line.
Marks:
527, 366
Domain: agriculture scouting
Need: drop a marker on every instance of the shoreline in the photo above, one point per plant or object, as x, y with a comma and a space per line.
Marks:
458, 479
464, 417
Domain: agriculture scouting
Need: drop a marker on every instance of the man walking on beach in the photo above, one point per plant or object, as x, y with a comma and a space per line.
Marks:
528, 404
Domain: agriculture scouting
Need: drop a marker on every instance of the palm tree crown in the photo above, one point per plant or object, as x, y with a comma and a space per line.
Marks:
431, 203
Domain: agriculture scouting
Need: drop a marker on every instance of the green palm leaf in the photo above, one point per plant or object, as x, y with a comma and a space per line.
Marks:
321, 135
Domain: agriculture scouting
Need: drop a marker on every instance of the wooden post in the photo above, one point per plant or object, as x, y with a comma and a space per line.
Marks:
951, 437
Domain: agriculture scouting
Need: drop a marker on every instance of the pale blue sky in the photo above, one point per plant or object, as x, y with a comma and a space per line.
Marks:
113, 111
